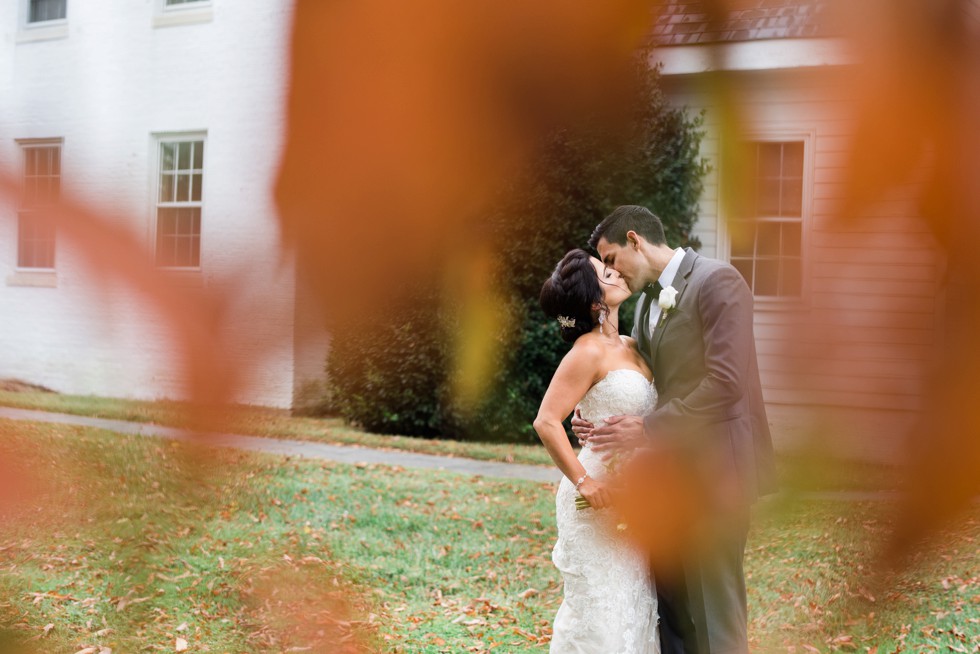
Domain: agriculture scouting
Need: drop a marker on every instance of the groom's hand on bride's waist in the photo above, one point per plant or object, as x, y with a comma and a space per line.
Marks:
581, 427
619, 432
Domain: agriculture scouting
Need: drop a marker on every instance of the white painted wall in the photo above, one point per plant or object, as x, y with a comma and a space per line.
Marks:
114, 80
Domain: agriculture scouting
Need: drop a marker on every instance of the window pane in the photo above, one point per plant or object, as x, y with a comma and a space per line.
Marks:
183, 156
792, 239
743, 238
770, 159
183, 248
168, 156
196, 182
167, 188
767, 277
744, 266
186, 223
35, 246
767, 243
793, 159
178, 236
768, 201
42, 10
198, 155
42, 190
165, 240
30, 191
41, 161
791, 279
166, 221
792, 198
183, 188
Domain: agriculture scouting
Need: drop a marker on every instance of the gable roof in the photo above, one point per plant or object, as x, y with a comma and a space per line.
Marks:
690, 22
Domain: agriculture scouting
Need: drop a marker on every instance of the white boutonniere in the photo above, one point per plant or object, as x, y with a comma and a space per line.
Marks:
667, 302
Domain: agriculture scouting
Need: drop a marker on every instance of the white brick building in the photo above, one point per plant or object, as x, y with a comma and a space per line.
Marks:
167, 116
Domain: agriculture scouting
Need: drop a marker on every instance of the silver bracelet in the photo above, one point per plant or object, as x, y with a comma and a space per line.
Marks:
580, 480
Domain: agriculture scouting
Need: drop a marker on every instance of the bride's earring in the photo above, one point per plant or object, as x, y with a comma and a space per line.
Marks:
602, 322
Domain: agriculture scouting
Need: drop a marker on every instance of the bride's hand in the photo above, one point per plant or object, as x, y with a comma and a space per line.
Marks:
595, 493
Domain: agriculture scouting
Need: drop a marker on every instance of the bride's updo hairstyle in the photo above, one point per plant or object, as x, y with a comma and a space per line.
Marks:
570, 293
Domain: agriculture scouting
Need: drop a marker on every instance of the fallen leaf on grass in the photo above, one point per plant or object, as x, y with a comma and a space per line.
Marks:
125, 601
180, 645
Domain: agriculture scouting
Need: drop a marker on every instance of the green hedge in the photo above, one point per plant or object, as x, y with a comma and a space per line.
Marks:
393, 375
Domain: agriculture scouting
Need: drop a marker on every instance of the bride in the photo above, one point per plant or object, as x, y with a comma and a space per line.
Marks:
609, 605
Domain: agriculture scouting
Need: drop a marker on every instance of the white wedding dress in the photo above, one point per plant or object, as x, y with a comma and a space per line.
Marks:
609, 606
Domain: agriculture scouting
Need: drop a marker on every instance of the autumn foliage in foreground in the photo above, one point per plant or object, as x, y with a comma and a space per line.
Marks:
470, 85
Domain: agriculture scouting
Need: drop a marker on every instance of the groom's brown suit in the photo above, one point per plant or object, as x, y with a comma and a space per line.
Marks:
703, 358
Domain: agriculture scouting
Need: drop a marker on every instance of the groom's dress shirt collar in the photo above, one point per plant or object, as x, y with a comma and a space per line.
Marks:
666, 279
667, 276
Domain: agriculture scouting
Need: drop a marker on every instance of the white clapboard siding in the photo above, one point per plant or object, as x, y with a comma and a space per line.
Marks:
870, 351
863, 333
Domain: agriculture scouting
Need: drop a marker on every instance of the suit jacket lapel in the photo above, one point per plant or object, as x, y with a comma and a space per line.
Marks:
679, 283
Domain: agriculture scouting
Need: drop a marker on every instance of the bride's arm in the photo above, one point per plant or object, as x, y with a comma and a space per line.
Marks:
575, 375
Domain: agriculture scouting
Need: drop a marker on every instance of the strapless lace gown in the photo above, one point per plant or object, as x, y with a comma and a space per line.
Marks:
609, 606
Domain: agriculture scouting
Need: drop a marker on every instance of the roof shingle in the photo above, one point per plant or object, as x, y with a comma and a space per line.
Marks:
687, 22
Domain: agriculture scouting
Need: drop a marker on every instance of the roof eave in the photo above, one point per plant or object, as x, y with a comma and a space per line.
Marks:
773, 54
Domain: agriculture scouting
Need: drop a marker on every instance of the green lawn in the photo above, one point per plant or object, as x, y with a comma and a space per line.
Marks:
130, 544
133, 538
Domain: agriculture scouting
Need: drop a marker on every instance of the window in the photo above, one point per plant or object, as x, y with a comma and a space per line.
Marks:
767, 231
170, 13
42, 186
178, 206
45, 10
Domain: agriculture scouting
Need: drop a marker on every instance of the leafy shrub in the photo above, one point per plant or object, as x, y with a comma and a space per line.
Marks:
393, 376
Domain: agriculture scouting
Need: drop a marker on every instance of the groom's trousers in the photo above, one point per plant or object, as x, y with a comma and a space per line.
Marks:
701, 599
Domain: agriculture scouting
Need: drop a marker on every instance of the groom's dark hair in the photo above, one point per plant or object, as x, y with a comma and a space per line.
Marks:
629, 217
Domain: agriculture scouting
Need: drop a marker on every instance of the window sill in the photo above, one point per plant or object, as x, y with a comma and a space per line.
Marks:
177, 17
38, 278
42, 32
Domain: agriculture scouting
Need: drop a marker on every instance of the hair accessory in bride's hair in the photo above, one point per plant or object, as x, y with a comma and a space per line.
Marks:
566, 322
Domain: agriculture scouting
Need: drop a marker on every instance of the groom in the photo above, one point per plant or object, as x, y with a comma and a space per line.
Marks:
693, 325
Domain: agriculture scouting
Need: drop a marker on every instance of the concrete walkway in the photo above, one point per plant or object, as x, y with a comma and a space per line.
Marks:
353, 454
306, 449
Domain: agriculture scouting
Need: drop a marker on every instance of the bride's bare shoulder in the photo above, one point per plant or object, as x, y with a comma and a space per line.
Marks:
587, 349
587, 344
